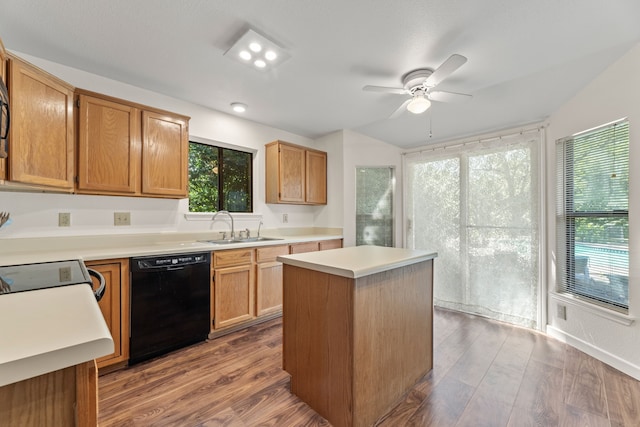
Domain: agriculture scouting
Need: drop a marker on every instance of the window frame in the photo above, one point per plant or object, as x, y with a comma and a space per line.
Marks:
566, 216
221, 147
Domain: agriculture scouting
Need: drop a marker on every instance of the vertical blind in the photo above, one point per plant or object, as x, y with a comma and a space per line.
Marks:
478, 205
592, 215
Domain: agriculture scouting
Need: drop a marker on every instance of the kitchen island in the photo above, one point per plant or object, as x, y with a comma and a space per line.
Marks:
357, 328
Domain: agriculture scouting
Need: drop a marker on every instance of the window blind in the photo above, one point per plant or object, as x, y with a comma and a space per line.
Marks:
592, 228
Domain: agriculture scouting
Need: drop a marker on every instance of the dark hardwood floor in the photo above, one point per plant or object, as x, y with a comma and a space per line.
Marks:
485, 374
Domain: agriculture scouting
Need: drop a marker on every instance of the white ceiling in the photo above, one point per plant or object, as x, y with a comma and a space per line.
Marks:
525, 57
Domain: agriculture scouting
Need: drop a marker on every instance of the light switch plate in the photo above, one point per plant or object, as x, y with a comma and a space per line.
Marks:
122, 218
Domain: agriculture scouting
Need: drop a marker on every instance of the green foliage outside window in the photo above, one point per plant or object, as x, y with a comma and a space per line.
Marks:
219, 179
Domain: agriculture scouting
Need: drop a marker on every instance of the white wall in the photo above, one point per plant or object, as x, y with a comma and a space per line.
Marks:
613, 95
36, 214
333, 215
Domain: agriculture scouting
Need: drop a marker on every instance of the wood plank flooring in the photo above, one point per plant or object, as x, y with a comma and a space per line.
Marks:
485, 374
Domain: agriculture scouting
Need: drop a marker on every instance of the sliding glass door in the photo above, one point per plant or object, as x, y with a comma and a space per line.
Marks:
477, 205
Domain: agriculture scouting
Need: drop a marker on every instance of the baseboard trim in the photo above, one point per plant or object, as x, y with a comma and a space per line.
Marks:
593, 351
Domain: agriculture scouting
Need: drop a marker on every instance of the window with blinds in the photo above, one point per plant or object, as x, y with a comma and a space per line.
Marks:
592, 229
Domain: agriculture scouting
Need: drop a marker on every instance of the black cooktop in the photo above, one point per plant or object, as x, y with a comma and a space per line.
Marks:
28, 277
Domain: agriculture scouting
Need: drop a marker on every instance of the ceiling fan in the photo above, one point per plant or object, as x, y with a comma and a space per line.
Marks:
419, 85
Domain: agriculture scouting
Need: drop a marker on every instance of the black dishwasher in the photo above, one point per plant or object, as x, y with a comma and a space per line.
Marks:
170, 300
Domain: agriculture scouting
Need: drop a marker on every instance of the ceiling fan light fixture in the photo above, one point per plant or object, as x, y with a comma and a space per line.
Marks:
419, 104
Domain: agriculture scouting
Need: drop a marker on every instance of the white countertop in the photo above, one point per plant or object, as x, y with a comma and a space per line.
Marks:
89, 248
357, 261
50, 329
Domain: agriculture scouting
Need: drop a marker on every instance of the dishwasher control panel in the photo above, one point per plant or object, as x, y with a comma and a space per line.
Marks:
170, 261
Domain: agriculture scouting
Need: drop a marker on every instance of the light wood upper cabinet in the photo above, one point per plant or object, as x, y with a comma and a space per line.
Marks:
108, 146
295, 174
316, 177
114, 306
41, 137
3, 63
165, 150
129, 149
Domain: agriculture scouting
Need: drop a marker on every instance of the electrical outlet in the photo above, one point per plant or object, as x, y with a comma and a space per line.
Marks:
285, 218
122, 218
64, 219
561, 312
65, 274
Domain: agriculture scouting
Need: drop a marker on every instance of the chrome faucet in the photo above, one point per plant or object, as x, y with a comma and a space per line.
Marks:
259, 225
232, 226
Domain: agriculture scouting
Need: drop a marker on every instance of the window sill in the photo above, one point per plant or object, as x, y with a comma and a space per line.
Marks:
206, 216
623, 319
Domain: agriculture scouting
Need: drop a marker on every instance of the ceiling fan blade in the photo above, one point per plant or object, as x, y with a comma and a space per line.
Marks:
444, 96
452, 63
401, 109
395, 90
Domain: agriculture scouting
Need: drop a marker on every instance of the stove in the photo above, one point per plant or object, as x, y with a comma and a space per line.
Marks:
33, 277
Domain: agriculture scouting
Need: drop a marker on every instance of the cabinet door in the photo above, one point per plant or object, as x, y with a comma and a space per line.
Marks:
3, 77
292, 174
316, 177
108, 146
165, 150
268, 288
234, 295
115, 307
3, 63
41, 138
269, 279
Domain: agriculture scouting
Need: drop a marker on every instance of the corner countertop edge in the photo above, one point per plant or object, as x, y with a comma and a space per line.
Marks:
357, 261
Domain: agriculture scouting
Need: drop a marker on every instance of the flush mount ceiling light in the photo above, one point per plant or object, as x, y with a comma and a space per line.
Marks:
419, 104
239, 107
257, 51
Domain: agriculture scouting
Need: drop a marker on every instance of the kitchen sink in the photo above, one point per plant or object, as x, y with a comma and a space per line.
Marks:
246, 240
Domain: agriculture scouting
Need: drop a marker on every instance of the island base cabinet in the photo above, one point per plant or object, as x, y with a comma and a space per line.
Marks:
353, 347
66, 397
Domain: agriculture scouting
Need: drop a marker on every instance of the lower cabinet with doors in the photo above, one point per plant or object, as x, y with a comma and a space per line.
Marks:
269, 279
233, 287
239, 297
115, 308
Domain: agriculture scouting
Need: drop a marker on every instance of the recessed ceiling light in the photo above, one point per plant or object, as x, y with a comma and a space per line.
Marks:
245, 55
270, 55
259, 63
239, 107
256, 47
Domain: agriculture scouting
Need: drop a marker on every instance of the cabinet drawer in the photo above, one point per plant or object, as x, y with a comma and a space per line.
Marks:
298, 248
232, 257
330, 244
270, 253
